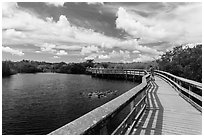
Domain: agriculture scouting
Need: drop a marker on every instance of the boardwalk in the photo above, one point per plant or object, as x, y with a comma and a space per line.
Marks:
151, 108
167, 113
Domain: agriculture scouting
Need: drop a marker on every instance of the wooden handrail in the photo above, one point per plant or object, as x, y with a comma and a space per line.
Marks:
115, 71
99, 120
197, 84
190, 90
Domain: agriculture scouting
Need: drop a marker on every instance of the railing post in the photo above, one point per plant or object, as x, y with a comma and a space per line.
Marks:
133, 75
189, 90
126, 75
132, 104
180, 83
103, 129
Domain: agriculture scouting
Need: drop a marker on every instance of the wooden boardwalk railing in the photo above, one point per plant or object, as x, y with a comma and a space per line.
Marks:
96, 71
146, 109
188, 89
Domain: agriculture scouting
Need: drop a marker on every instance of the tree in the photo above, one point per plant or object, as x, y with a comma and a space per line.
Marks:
89, 63
6, 71
183, 61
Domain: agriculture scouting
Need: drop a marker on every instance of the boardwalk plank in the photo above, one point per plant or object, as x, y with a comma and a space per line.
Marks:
167, 113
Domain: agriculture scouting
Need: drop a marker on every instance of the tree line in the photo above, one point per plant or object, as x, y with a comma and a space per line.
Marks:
183, 61
27, 66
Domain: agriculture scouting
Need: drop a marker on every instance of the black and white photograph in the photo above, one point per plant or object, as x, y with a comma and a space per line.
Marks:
101, 68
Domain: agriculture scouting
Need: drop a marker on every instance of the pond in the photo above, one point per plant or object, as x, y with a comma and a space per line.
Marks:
42, 102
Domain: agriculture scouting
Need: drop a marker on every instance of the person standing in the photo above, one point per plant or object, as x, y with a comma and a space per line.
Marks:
151, 69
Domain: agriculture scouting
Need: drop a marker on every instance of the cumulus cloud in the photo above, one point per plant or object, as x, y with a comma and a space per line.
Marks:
36, 29
143, 58
63, 22
47, 47
22, 26
91, 56
61, 53
103, 57
19, 19
13, 33
8, 8
12, 51
136, 51
51, 48
136, 28
180, 25
95, 3
133, 45
56, 57
127, 44
35, 32
37, 51
120, 54
73, 47
89, 49
57, 4
122, 44
148, 50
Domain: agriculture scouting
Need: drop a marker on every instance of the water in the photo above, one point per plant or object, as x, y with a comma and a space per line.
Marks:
40, 103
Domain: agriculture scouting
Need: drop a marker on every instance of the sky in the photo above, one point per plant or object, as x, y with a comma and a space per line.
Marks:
103, 31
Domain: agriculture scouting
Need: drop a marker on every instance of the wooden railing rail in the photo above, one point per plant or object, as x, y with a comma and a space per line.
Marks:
115, 116
117, 71
188, 89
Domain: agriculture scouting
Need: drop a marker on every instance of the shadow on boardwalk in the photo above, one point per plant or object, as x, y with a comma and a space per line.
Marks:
151, 121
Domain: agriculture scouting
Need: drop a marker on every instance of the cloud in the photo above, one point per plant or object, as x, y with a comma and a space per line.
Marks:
103, 57
57, 4
14, 33
12, 51
37, 51
36, 30
51, 48
148, 50
128, 44
133, 45
89, 49
19, 19
179, 25
135, 51
47, 47
8, 8
95, 3
120, 54
110, 55
122, 44
135, 28
61, 53
92, 56
56, 57
143, 58
73, 47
